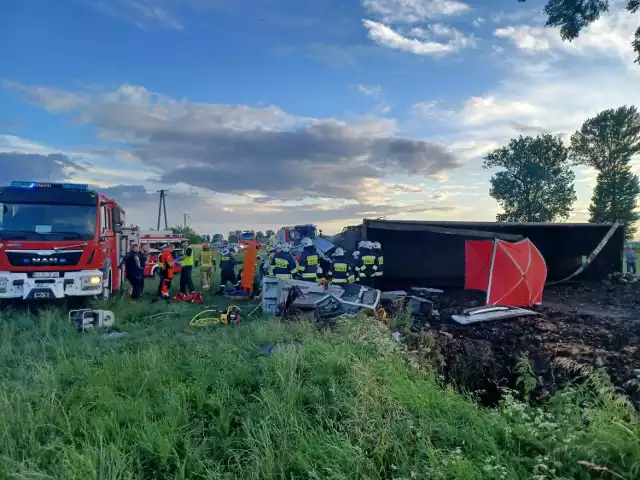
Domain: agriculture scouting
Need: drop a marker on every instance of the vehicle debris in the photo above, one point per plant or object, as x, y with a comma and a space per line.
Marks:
87, 319
490, 312
280, 296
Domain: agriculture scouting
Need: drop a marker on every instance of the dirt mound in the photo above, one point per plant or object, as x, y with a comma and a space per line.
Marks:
579, 328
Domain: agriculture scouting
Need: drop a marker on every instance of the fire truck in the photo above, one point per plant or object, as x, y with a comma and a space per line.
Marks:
246, 237
60, 240
295, 233
156, 239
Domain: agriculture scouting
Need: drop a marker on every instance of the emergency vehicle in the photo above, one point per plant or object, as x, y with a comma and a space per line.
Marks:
156, 239
246, 238
60, 240
294, 234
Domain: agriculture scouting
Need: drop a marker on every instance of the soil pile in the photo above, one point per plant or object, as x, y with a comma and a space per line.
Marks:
580, 328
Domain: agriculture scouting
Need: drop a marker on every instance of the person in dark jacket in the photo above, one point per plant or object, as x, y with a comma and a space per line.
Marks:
227, 269
142, 255
133, 270
283, 265
340, 271
309, 261
366, 266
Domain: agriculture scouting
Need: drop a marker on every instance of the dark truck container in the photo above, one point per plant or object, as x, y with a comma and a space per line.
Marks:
424, 253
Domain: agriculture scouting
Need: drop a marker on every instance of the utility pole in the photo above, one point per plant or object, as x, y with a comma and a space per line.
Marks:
162, 206
185, 216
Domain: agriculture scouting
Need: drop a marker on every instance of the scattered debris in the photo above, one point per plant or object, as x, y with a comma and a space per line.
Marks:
491, 312
87, 319
114, 335
270, 348
393, 294
282, 297
396, 336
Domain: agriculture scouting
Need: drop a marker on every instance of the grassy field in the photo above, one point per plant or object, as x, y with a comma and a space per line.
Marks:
170, 401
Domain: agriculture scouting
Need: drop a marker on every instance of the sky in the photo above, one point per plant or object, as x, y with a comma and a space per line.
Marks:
256, 114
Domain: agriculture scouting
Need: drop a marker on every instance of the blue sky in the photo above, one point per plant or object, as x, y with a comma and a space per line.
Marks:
263, 113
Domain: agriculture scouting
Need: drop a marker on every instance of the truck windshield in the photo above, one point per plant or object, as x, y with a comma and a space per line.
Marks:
27, 221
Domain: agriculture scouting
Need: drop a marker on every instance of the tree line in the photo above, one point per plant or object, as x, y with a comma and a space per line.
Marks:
536, 183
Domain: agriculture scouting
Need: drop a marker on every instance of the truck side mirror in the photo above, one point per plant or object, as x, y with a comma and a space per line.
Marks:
117, 220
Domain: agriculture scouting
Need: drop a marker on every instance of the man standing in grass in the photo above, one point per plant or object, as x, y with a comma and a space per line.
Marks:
630, 257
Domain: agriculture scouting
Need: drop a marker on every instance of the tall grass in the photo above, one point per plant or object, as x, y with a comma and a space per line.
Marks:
168, 401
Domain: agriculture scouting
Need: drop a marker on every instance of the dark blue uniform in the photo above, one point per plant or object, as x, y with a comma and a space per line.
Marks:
283, 265
340, 271
308, 264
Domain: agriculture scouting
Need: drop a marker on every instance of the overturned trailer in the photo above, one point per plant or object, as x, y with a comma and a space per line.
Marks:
432, 253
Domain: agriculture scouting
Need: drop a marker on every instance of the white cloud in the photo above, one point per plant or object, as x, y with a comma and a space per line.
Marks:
370, 90
387, 37
609, 36
412, 11
141, 13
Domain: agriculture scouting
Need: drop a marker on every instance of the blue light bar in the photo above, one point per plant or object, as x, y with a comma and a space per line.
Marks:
70, 186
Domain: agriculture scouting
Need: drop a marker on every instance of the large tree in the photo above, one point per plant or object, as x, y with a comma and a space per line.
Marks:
573, 15
536, 183
607, 142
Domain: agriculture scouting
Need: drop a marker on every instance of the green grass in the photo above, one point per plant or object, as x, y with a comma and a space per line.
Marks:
173, 402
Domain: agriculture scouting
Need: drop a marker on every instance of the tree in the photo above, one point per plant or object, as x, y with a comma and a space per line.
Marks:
536, 184
218, 237
607, 142
206, 238
572, 16
259, 234
269, 233
189, 233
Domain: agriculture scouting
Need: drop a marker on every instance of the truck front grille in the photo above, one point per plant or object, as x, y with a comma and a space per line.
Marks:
31, 259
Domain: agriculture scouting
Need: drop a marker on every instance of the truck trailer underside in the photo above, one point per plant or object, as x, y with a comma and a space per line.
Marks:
432, 253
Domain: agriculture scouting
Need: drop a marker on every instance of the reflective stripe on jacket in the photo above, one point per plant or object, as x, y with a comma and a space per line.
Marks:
206, 259
308, 264
379, 264
340, 271
187, 257
366, 265
283, 265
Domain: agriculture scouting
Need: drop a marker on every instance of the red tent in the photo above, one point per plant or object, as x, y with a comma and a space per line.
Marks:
477, 254
516, 271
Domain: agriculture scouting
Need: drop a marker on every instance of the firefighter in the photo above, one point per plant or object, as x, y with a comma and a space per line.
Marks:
207, 265
166, 265
309, 261
340, 271
227, 269
366, 265
283, 265
186, 261
377, 250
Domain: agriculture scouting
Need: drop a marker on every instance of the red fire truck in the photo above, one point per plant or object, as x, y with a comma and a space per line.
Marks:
60, 240
156, 239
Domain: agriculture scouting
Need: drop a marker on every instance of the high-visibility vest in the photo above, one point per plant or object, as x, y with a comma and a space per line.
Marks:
187, 260
206, 259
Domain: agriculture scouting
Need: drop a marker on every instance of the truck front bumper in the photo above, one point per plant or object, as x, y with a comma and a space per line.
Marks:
69, 284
